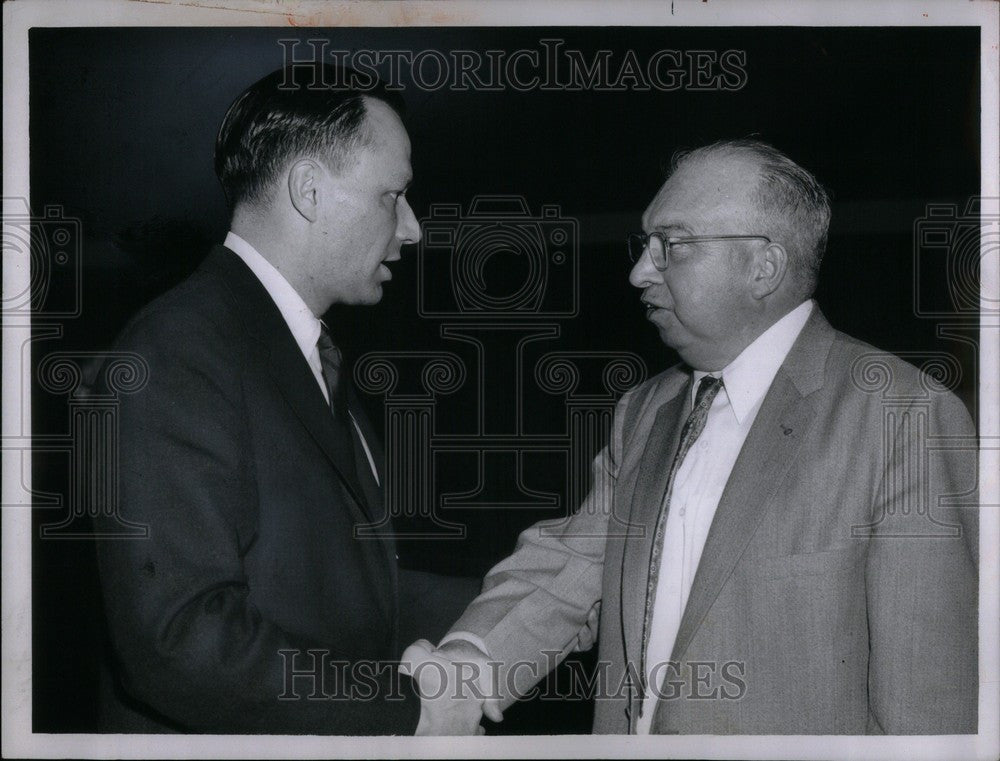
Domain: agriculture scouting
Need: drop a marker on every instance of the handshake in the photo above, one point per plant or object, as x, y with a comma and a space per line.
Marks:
459, 684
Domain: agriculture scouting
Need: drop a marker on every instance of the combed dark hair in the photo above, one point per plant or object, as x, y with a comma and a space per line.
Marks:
791, 203
305, 109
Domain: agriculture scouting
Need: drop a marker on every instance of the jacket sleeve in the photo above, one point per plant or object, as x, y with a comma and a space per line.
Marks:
535, 603
922, 576
188, 641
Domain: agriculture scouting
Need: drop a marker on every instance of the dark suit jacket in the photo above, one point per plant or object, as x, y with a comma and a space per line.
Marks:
837, 590
229, 456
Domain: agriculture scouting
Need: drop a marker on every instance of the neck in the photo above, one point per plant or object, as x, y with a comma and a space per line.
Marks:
755, 326
270, 237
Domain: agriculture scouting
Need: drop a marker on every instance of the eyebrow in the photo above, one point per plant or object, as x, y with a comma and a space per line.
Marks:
672, 228
398, 186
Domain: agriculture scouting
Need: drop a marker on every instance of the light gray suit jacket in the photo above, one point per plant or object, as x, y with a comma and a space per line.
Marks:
837, 590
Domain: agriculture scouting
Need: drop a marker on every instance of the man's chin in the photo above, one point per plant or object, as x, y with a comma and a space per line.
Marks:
665, 325
668, 338
671, 336
371, 297
374, 296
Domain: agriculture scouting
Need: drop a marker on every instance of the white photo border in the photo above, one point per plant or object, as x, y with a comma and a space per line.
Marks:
21, 15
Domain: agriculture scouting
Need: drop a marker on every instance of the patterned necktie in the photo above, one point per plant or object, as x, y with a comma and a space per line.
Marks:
708, 389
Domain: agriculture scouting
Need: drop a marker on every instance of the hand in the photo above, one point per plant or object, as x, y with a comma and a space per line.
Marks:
455, 684
587, 636
475, 665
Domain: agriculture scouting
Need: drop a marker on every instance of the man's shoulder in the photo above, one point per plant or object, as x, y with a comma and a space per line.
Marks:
192, 340
200, 309
667, 383
872, 369
651, 394
862, 371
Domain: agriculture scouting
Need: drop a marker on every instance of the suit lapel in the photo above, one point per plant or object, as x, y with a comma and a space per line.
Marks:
298, 386
380, 516
650, 488
767, 454
287, 367
303, 395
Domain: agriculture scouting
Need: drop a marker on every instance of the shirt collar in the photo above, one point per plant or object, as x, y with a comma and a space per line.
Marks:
303, 324
748, 377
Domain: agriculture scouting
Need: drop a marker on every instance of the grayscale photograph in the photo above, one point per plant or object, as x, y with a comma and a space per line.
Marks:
500, 379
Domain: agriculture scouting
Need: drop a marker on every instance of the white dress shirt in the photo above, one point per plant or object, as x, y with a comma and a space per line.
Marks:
303, 324
698, 486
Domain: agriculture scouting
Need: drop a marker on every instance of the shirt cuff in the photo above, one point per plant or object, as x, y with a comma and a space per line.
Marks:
469, 637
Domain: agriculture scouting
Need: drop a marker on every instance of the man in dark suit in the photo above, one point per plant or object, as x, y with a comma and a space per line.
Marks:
781, 534
255, 605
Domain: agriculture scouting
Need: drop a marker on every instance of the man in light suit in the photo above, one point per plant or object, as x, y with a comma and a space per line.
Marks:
772, 544
254, 599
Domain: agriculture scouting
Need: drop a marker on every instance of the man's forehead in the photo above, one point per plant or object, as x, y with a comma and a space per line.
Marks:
388, 144
380, 166
699, 188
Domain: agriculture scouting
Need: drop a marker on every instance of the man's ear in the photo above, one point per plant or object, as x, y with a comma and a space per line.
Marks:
303, 188
770, 269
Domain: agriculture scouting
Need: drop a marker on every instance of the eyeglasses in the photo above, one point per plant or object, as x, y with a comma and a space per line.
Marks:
661, 248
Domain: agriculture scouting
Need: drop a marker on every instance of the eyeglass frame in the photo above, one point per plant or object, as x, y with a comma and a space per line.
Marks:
667, 242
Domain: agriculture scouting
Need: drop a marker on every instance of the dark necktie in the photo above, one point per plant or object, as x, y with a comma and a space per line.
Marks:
337, 384
331, 359
708, 389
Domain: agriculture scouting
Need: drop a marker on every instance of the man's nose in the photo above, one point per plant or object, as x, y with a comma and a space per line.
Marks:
643, 273
407, 226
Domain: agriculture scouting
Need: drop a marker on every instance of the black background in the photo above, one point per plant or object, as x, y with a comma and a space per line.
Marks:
122, 129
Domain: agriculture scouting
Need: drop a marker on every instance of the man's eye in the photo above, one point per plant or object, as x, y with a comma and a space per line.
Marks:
679, 249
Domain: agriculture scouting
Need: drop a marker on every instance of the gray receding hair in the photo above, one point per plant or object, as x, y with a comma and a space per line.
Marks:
792, 206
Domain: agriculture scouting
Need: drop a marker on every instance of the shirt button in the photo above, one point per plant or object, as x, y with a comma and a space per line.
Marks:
683, 511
